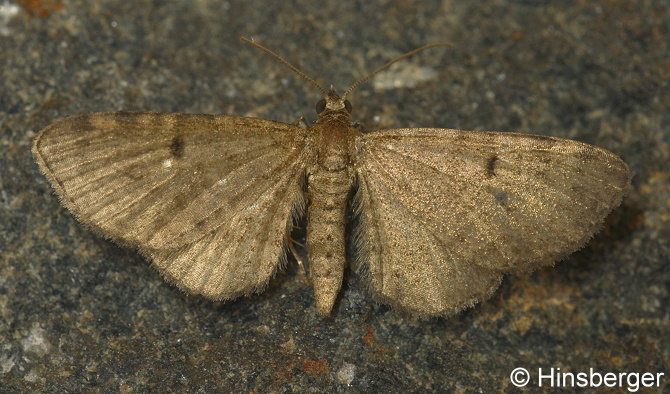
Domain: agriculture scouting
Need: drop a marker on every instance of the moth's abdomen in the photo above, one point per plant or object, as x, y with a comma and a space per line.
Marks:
328, 192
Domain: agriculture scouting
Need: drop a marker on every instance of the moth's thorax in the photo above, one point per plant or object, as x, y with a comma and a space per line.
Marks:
340, 116
333, 136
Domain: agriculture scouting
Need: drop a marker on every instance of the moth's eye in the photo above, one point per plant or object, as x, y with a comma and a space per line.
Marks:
320, 106
347, 106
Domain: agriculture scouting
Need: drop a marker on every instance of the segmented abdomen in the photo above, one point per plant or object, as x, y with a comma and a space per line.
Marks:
328, 192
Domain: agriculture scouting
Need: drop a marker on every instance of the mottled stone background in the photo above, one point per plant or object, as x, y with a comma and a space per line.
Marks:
79, 314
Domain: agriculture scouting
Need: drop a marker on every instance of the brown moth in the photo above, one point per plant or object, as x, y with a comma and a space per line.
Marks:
443, 213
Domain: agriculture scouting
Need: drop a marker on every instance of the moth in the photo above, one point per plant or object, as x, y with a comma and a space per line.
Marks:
443, 213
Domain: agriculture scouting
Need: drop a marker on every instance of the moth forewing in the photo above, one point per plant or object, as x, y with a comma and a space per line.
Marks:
447, 212
208, 198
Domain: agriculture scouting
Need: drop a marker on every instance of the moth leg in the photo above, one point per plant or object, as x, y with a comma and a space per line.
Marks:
301, 122
290, 241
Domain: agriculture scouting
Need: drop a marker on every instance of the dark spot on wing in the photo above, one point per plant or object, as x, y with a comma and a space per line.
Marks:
502, 197
80, 122
177, 147
490, 166
546, 138
122, 119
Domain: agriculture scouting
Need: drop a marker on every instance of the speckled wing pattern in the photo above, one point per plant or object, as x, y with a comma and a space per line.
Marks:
445, 213
208, 198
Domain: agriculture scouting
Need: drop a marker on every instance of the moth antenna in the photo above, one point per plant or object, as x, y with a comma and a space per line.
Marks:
284, 62
387, 65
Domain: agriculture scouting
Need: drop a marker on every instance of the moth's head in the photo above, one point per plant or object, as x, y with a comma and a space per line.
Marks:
332, 102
